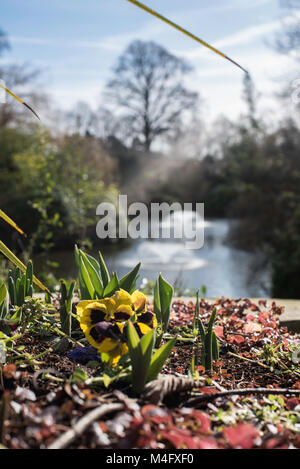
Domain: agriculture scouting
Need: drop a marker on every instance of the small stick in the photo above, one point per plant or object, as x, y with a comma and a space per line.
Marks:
249, 360
240, 392
79, 428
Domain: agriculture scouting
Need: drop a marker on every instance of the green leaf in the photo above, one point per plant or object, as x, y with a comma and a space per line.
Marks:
140, 372
93, 275
112, 286
86, 279
157, 302
65, 308
29, 277
107, 380
79, 376
133, 286
201, 330
77, 256
215, 346
196, 315
94, 263
145, 346
165, 297
71, 291
134, 353
212, 320
132, 337
3, 301
63, 291
208, 351
84, 293
104, 271
3, 293
129, 279
20, 293
159, 359
12, 290
105, 358
165, 293
208, 342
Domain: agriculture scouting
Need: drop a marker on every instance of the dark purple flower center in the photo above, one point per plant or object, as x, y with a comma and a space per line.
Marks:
121, 316
97, 316
146, 318
104, 330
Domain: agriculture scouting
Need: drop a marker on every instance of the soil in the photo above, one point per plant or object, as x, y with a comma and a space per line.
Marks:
41, 401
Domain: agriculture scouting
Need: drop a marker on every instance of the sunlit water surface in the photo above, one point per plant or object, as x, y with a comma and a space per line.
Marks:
224, 270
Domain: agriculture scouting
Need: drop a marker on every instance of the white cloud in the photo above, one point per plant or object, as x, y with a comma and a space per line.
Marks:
242, 37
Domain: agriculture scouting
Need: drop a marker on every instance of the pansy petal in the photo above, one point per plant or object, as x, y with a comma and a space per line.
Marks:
82, 305
148, 318
94, 312
116, 354
122, 297
142, 329
139, 301
107, 346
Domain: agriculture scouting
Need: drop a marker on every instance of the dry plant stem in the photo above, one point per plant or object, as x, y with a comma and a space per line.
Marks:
240, 392
62, 334
53, 378
80, 427
282, 365
248, 360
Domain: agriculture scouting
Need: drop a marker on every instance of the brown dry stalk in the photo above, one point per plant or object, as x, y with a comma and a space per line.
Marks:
241, 392
64, 440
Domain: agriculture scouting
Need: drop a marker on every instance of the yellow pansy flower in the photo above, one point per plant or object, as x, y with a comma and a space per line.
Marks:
103, 321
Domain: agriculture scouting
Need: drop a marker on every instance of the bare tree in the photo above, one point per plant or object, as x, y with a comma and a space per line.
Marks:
148, 89
22, 79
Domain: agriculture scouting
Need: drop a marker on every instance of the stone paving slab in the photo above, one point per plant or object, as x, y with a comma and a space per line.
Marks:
291, 316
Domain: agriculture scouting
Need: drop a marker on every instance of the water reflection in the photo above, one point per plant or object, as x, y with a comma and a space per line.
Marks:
223, 269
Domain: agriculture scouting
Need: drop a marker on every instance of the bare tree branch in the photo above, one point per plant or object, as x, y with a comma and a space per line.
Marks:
148, 88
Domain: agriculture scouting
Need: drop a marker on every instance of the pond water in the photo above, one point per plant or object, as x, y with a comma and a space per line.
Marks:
224, 270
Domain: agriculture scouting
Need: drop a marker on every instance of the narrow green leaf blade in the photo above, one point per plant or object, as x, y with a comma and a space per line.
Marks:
157, 309
112, 286
128, 280
3, 292
86, 278
159, 359
104, 271
165, 296
93, 275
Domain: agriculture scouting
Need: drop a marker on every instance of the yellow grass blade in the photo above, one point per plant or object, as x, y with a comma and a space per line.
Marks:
11, 222
184, 31
18, 99
12, 258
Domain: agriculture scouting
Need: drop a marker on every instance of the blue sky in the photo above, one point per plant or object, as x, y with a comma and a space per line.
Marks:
76, 43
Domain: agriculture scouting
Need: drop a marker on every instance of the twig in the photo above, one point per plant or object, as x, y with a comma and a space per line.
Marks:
240, 392
62, 334
249, 360
79, 428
